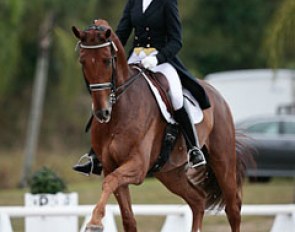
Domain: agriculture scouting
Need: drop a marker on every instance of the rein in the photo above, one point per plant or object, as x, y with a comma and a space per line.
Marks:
122, 88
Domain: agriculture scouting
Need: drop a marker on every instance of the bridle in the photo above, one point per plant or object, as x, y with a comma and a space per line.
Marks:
106, 85
116, 91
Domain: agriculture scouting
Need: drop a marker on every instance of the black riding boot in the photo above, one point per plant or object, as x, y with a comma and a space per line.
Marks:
92, 165
195, 155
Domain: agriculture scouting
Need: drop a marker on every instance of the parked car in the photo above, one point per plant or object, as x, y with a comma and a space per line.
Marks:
273, 140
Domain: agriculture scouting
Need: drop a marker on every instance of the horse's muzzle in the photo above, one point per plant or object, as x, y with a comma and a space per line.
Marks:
103, 116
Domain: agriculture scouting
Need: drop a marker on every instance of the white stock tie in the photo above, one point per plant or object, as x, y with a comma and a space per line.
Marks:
145, 4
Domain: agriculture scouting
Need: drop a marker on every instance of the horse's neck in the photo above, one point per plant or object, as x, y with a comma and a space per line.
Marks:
122, 65
123, 71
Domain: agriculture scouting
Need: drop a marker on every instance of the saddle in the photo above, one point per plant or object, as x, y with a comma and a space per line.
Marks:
162, 85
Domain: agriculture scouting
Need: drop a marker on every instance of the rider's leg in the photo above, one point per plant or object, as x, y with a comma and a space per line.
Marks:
92, 165
195, 154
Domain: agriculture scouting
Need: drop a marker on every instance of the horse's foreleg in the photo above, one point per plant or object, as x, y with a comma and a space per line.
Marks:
123, 197
95, 224
129, 173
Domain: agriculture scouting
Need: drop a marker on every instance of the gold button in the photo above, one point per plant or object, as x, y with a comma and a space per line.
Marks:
136, 38
148, 45
147, 28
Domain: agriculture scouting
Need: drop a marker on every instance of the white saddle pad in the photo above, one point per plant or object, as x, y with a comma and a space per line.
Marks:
191, 105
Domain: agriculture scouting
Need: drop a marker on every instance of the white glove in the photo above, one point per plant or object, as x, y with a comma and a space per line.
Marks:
149, 62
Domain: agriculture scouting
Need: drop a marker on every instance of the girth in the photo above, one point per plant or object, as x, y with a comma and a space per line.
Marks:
168, 143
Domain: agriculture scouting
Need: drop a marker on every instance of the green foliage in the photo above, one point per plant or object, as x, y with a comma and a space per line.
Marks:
280, 37
11, 12
218, 35
69, 70
46, 181
226, 34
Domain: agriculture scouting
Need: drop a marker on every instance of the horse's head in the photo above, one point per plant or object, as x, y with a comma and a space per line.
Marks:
97, 56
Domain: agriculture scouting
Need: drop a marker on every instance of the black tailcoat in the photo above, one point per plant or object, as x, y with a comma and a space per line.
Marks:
159, 27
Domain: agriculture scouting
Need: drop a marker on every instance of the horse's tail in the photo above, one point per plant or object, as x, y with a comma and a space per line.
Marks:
244, 160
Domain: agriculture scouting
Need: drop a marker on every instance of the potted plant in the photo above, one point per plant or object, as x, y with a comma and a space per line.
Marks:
47, 189
46, 181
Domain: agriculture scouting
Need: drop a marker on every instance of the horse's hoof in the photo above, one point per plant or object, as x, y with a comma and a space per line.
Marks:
94, 228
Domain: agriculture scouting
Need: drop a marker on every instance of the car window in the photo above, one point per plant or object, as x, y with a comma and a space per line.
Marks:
270, 128
289, 128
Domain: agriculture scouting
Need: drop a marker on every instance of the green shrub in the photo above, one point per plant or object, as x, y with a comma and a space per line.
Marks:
46, 181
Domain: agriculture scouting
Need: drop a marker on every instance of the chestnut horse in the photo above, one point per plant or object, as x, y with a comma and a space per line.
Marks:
127, 133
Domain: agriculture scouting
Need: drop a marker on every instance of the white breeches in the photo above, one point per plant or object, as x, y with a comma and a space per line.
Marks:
171, 75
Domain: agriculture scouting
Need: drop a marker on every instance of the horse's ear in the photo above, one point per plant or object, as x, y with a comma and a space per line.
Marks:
77, 32
108, 33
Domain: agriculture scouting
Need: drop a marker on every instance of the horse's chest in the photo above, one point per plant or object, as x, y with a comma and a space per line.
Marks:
115, 146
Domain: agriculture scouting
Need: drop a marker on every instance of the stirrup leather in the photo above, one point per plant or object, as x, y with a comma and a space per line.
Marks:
200, 153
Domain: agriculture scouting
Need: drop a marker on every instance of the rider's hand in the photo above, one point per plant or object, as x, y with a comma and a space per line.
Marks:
149, 62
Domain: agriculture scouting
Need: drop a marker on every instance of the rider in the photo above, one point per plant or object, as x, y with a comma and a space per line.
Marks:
157, 40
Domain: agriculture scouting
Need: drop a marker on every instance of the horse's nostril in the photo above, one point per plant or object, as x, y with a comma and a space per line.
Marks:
103, 114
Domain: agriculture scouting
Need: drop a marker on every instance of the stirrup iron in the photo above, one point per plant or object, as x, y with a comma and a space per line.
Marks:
200, 153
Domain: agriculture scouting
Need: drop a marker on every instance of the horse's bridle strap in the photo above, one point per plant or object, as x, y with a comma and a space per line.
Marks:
110, 85
110, 43
103, 86
107, 85
95, 46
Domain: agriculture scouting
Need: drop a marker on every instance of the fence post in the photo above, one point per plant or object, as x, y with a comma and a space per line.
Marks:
5, 224
109, 220
181, 222
284, 222
49, 223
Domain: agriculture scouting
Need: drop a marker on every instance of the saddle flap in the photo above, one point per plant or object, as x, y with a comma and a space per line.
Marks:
162, 85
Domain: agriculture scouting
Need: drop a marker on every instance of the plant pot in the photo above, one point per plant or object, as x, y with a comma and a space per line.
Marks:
51, 223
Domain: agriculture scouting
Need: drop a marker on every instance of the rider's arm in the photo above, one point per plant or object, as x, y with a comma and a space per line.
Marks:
174, 37
125, 26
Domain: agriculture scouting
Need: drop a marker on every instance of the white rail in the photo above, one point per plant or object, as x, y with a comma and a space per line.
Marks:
176, 215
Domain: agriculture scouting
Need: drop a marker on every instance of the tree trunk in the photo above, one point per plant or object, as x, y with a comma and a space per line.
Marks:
37, 97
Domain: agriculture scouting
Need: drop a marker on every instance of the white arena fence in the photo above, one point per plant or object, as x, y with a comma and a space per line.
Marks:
178, 217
